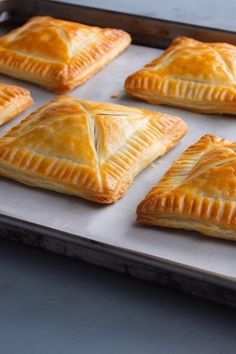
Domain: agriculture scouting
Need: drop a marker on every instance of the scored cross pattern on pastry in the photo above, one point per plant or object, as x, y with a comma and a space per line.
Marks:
90, 149
57, 54
198, 192
190, 74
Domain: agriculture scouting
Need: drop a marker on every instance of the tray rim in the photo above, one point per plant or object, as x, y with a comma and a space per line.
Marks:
162, 37
93, 244
190, 280
141, 17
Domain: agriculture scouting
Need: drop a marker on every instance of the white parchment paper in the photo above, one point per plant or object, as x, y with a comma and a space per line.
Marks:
115, 224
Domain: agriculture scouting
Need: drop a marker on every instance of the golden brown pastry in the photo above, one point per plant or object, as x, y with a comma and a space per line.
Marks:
89, 149
198, 192
190, 74
58, 55
13, 101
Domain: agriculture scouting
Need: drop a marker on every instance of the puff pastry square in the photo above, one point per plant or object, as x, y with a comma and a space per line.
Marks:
57, 54
89, 149
13, 101
198, 192
190, 74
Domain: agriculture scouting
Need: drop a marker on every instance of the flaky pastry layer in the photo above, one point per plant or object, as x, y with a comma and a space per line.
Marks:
89, 149
198, 192
57, 54
190, 74
13, 101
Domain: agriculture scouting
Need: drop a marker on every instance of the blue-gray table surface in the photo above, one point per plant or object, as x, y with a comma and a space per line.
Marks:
52, 304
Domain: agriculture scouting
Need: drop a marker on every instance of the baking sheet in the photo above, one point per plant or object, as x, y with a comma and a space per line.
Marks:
115, 224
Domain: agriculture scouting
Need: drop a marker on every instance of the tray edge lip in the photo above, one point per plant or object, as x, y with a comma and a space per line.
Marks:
17, 5
141, 17
117, 251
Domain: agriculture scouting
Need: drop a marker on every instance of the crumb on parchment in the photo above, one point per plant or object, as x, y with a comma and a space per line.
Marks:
154, 164
115, 94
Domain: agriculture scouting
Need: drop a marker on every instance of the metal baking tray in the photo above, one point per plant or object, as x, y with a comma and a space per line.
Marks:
108, 235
